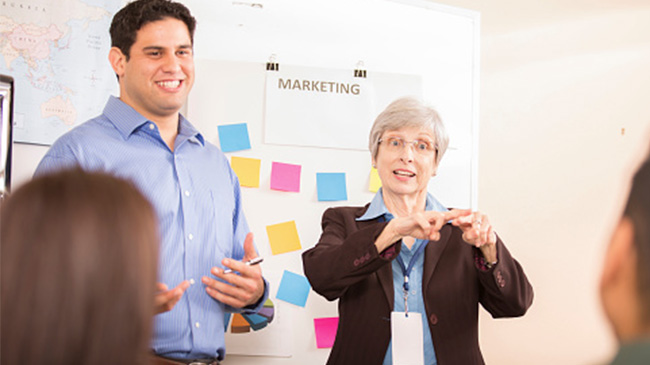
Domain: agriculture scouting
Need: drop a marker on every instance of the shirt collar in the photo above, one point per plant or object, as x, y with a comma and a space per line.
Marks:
188, 131
377, 207
127, 120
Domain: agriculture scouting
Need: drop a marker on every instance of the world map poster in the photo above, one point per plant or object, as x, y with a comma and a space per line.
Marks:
57, 53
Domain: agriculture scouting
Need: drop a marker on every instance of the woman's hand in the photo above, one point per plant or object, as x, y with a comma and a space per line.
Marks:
423, 225
478, 232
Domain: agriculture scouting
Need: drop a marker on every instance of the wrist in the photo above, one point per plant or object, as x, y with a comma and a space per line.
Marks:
489, 254
392, 235
489, 264
387, 237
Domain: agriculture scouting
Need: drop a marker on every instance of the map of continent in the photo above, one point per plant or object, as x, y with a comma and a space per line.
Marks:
57, 53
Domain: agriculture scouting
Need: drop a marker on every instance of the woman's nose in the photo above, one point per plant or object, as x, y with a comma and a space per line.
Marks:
406, 153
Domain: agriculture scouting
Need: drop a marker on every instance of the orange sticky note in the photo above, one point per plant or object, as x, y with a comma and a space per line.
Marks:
247, 170
283, 237
375, 181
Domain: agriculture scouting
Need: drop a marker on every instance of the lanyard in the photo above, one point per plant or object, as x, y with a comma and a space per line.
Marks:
406, 270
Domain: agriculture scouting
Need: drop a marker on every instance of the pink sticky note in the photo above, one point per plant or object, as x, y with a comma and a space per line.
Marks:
285, 177
325, 331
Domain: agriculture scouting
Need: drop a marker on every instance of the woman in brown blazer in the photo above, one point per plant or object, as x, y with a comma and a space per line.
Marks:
404, 252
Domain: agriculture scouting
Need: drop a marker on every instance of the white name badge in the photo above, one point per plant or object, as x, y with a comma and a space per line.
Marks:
407, 338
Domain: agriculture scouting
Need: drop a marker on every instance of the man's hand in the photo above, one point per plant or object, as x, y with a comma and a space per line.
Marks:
238, 290
166, 299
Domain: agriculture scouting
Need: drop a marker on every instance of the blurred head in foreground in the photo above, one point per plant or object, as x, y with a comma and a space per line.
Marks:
79, 259
625, 280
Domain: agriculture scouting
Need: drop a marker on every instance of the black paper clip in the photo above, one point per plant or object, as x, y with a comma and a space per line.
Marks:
272, 65
360, 70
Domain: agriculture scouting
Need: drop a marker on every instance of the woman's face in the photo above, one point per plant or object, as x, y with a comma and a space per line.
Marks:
404, 167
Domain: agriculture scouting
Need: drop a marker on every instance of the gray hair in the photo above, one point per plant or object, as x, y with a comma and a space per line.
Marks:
409, 112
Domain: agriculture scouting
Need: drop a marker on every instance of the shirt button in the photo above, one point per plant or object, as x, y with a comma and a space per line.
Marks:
197, 324
190, 236
187, 193
151, 126
192, 282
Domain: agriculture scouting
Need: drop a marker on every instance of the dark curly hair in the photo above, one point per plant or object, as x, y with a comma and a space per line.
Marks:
128, 21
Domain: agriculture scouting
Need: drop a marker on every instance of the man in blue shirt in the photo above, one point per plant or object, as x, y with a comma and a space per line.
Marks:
142, 136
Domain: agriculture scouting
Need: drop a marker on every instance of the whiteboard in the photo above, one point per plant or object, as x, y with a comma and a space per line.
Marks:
235, 39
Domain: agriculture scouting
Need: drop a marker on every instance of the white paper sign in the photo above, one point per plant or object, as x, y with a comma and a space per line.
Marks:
309, 106
407, 338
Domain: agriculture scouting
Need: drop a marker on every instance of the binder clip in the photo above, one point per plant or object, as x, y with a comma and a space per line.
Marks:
360, 71
272, 65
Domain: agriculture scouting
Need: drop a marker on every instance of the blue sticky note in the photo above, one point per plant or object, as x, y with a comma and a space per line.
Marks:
293, 288
331, 186
226, 320
234, 137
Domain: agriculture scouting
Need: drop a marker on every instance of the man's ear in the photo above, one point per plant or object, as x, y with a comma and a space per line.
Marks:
117, 60
621, 253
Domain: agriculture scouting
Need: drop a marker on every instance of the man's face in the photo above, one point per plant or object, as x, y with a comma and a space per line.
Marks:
159, 74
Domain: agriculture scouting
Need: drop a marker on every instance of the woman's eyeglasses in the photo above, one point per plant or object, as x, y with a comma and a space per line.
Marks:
422, 146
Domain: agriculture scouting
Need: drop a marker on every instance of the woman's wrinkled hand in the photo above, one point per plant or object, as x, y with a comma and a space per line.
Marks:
425, 225
478, 232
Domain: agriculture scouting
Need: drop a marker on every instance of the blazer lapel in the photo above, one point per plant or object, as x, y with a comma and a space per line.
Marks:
385, 273
432, 254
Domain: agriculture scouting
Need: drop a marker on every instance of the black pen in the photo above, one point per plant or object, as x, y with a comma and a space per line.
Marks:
251, 262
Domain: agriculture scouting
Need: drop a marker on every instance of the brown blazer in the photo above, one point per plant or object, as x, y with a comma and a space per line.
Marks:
345, 265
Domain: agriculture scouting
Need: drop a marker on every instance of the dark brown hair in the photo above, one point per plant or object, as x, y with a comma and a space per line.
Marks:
128, 21
79, 259
637, 210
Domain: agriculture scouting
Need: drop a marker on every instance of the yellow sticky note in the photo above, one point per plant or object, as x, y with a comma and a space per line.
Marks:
247, 170
283, 237
375, 181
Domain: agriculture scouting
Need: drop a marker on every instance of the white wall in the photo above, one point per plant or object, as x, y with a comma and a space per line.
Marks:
25, 159
560, 80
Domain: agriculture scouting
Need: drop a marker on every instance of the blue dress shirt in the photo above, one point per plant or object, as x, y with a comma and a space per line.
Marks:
197, 199
415, 298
